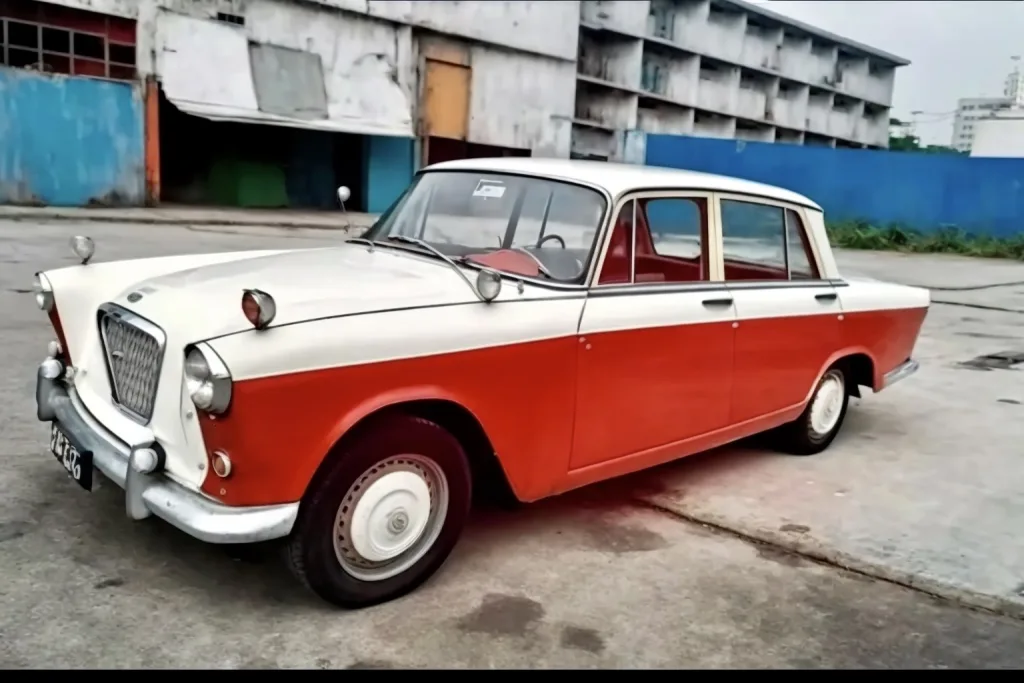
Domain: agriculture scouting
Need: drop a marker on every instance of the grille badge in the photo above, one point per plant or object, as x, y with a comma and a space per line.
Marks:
134, 296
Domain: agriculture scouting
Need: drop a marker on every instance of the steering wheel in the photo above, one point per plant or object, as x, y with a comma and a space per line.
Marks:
550, 236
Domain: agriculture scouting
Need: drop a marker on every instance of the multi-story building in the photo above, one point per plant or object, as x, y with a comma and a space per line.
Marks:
1000, 135
969, 111
277, 102
724, 68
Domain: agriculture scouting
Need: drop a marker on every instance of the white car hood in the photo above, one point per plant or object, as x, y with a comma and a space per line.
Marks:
205, 302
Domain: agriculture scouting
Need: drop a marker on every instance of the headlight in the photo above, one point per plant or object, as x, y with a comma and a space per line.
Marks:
207, 379
43, 291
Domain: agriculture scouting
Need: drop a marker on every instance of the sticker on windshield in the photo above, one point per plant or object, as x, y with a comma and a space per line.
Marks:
489, 189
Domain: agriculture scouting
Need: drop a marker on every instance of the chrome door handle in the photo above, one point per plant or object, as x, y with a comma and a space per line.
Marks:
831, 296
713, 303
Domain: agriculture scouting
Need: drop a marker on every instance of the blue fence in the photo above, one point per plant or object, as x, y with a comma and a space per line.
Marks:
922, 191
69, 141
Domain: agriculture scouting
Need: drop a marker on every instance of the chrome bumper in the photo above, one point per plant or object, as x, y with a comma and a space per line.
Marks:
155, 493
901, 371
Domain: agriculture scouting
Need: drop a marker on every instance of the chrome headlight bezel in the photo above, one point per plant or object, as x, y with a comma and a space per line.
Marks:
207, 379
43, 291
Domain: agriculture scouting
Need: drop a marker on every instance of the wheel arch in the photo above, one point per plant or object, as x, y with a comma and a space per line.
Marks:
446, 411
859, 366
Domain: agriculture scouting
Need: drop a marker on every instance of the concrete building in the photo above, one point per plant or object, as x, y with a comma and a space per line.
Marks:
724, 68
969, 111
1013, 89
1000, 135
272, 102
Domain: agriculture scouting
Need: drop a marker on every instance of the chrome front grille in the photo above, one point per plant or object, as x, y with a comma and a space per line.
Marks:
134, 350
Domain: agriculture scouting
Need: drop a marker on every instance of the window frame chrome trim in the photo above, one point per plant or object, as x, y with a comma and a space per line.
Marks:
143, 325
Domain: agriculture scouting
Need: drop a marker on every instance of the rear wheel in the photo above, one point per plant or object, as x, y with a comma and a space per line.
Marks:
386, 516
821, 420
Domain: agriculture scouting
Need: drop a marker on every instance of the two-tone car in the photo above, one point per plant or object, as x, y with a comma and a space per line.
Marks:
547, 323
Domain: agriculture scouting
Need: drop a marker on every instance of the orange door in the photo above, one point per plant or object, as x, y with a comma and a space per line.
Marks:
445, 103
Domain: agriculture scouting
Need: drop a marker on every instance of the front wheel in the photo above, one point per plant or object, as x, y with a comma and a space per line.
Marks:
821, 420
386, 516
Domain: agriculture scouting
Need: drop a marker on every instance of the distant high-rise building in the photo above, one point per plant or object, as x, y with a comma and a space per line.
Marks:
968, 111
1014, 88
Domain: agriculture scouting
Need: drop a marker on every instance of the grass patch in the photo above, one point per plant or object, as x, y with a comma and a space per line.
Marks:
862, 235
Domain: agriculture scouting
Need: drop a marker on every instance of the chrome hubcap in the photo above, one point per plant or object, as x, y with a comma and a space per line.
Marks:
827, 403
390, 517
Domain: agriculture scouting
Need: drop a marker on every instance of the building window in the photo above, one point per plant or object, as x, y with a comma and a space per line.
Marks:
235, 19
56, 39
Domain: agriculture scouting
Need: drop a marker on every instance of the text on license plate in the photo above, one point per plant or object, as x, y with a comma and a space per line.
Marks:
78, 465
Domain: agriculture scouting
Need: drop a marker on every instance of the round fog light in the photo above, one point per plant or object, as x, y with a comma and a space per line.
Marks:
144, 460
221, 464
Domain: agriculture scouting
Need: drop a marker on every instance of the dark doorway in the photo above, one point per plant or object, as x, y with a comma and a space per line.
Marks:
255, 166
446, 149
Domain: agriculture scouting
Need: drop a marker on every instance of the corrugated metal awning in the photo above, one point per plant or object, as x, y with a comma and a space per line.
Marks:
211, 70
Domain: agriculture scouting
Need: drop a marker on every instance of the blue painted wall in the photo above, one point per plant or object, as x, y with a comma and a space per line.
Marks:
390, 162
68, 141
922, 191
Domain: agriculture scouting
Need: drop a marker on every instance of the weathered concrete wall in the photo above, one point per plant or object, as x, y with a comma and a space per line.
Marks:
368, 69
544, 28
519, 100
70, 141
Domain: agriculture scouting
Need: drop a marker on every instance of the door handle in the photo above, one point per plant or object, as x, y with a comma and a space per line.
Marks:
831, 296
712, 303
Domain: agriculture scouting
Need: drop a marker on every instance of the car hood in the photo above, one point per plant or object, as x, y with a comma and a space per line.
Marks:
205, 302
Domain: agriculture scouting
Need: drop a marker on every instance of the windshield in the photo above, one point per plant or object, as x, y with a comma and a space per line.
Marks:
535, 227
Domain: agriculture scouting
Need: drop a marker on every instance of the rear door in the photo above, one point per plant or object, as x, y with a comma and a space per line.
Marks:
788, 317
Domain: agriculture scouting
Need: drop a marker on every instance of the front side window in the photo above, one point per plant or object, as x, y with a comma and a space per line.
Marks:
535, 227
666, 246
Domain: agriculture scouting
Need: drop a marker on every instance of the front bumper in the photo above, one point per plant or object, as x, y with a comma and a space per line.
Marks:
155, 493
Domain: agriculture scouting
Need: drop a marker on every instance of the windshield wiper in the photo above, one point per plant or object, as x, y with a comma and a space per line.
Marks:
433, 250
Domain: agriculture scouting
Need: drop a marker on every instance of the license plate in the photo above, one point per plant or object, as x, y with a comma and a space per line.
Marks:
76, 463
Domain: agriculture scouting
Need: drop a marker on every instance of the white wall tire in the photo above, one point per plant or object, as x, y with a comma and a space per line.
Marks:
821, 419
384, 516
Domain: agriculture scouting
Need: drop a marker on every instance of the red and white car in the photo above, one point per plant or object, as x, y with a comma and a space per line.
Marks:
551, 323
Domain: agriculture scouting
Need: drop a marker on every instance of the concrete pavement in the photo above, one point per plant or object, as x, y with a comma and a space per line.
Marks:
922, 487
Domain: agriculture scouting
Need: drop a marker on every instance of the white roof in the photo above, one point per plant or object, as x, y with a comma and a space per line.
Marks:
620, 178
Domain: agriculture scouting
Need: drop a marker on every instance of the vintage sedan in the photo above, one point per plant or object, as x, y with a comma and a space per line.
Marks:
549, 323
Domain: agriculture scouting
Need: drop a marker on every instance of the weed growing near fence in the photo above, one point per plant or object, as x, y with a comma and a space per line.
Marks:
862, 235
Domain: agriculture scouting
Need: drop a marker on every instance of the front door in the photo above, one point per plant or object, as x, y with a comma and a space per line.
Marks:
788, 319
656, 334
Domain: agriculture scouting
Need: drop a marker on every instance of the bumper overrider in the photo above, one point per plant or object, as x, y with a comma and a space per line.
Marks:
148, 491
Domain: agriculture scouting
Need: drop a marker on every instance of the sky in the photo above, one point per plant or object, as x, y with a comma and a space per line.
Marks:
956, 49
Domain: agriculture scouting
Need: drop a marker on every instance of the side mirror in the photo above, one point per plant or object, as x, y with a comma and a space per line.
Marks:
343, 195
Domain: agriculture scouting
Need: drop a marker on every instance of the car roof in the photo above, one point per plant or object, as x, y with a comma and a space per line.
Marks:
618, 178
